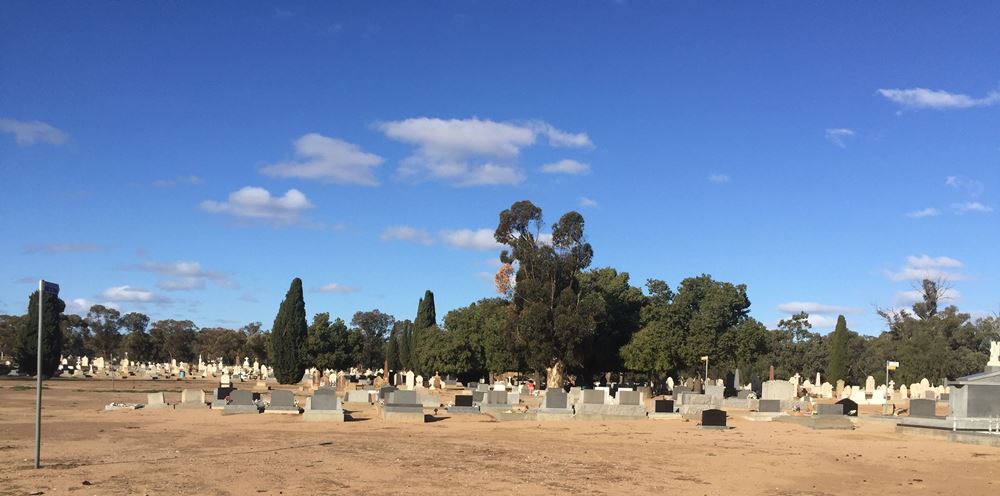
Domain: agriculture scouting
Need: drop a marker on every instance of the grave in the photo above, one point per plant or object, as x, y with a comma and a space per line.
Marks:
828, 409
463, 404
496, 402
358, 396
594, 407
478, 397
767, 410
324, 406
769, 406
692, 404
283, 402
401, 406
923, 408
192, 398
384, 391
155, 400
663, 410
715, 391
783, 391
219, 396
850, 407
240, 402
713, 419
555, 406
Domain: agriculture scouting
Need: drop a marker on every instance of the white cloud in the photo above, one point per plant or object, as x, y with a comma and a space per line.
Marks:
63, 248
169, 183
470, 152
31, 132
927, 267
927, 212
469, 239
561, 138
921, 98
971, 207
566, 166
257, 203
407, 233
587, 202
824, 321
812, 307
544, 239
185, 275
129, 294
718, 178
330, 160
971, 186
81, 306
839, 136
336, 288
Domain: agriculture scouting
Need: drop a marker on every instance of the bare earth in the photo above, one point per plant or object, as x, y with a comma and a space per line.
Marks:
162, 452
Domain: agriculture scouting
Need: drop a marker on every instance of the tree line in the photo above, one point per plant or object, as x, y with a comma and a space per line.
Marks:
555, 317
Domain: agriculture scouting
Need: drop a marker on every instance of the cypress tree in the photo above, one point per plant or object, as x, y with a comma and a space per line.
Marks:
426, 315
837, 365
405, 337
289, 336
27, 336
392, 351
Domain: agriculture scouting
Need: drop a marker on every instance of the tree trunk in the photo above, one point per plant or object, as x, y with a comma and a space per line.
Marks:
556, 374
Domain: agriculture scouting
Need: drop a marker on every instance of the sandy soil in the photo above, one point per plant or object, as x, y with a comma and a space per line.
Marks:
162, 452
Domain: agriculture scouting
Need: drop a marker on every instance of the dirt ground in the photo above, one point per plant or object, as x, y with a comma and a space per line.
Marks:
87, 451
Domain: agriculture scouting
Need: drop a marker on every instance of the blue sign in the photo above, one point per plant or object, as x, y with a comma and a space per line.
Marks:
50, 287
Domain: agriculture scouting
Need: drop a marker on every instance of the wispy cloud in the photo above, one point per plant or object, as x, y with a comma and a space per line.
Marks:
914, 295
587, 202
185, 275
926, 267
63, 248
257, 203
329, 160
812, 307
169, 183
471, 239
927, 212
471, 152
406, 233
923, 98
33, 132
971, 207
971, 186
718, 178
336, 288
122, 294
566, 166
839, 136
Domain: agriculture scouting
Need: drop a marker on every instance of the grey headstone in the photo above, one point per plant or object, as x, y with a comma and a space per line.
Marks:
241, 398
769, 406
834, 409
325, 399
497, 398
193, 396
479, 396
281, 398
556, 398
403, 398
593, 396
742, 394
922, 408
629, 397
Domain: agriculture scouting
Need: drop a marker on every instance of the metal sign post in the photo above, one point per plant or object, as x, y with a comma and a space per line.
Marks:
53, 288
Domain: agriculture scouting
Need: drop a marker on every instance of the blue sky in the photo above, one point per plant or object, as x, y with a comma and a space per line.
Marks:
189, 160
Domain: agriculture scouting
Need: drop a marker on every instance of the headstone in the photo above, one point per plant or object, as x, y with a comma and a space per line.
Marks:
463, 400
283, 402
826, 409
729, 388
240, 401
770, 374
193, 397
922, 408
593, 397
324, 399
850, 407
713, 418
497, 398
478, 396
155, 400
840, 388
384, 391
778, 390
743, 394
869, 385
663, 406
556, 398
714, 391
400, 397
629, 397
769, 406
